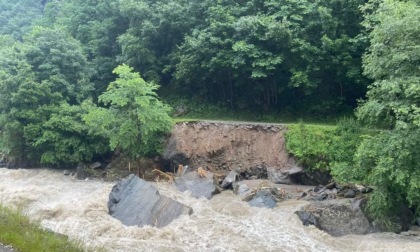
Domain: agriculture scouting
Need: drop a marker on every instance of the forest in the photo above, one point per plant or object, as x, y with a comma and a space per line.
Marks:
81, 78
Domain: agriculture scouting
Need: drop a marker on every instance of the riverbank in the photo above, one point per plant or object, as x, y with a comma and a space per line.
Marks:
24, 235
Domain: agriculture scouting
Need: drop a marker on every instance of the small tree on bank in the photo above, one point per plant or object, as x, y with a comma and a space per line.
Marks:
135, 120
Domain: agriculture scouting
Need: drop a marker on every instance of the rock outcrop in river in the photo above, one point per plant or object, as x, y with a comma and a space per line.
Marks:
134, 201
199, 183
337, 217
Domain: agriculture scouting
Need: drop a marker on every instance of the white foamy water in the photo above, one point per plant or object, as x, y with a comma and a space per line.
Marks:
224, 223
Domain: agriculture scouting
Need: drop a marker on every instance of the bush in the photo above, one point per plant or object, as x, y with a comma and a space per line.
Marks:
325, 148
391, 163
309, 145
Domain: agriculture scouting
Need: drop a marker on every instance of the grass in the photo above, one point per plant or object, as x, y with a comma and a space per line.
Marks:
310, 122
25, 236
199, 111
253, 116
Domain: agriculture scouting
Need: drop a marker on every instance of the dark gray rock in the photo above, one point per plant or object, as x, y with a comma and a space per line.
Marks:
320, 197
229, 179
66, 172
366, 190
336, 217
241, 189
350, 194
136, 202
254, 172
263, 198
278, 176
172, 157
319, 189
200, 186
417, 222
311, 178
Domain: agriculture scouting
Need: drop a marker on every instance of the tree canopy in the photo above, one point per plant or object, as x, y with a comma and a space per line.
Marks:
135, 118
391, 161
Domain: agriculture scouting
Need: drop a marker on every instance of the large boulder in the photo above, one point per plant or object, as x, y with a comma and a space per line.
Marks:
136, 202
199, 184
336, 217
264, 197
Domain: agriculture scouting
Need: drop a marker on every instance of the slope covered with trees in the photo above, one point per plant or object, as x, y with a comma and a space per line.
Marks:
295, 56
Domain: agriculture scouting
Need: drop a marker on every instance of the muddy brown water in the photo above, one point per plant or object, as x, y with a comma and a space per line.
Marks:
4, 248
224, 223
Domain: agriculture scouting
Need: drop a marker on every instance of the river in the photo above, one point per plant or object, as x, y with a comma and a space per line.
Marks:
224, 223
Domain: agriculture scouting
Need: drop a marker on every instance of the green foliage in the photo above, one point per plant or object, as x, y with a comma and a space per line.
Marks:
41, 78
58, 61
97, 25
390, 161
65, 138
18, 16
309, 144
135, 119
348, 136
274, 53
17, 230
392, 61
326, 148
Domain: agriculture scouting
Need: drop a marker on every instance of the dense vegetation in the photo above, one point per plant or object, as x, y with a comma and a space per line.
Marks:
388, 159
262, 57
71, 89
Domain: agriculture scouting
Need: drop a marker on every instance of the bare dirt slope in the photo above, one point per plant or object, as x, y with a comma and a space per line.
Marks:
248, 148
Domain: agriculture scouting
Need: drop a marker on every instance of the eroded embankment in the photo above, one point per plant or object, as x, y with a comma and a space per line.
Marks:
220, 147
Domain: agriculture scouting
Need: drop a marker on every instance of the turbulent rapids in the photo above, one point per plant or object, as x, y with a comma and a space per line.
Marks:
224, 223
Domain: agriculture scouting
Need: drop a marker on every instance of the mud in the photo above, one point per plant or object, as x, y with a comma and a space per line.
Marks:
220, 147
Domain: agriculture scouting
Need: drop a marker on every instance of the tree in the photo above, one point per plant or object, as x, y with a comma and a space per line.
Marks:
65, 139
275, 54
156, 30
135, 119
96, 25
14, 71
17, 17
42, 78
58, 60
391, 160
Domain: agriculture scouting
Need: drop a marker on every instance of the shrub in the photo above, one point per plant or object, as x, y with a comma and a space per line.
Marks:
325, 148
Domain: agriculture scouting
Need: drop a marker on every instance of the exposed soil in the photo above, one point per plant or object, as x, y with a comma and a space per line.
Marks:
223, 146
